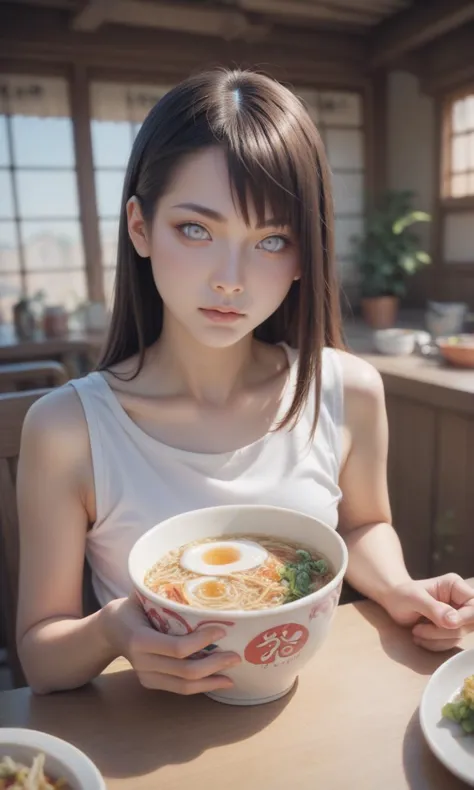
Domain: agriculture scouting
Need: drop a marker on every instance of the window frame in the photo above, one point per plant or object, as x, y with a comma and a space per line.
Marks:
448, 202
74, 88
80, 76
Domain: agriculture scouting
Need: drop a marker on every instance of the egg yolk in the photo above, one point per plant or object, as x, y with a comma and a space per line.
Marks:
221, 555
212, 589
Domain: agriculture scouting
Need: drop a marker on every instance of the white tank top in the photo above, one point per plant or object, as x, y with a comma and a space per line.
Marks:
139, 481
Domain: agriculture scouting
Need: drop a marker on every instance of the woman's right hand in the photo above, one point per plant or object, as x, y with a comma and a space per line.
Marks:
162, 661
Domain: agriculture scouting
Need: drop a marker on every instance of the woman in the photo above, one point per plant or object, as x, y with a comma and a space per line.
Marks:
221, 382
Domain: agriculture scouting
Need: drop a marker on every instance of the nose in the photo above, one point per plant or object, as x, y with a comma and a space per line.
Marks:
227, 279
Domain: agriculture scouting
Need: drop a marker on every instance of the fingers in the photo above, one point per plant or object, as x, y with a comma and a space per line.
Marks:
438, 645
429, 631
438, 612
150, 641
157, 681
430, 637
187, 669
454, 590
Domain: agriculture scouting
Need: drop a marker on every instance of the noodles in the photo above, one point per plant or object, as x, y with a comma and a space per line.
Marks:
285, 571
15, 776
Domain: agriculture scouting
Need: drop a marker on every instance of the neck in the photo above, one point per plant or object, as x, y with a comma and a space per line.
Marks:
212, 375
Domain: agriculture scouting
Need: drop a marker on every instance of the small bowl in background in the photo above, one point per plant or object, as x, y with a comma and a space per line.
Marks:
395, 342
458, 350
62, 759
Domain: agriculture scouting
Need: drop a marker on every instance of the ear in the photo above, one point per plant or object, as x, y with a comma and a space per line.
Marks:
137, 228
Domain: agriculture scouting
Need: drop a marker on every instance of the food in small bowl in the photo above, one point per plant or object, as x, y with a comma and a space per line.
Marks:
32, 760
458, 350
461, 708
395, 342
271, 577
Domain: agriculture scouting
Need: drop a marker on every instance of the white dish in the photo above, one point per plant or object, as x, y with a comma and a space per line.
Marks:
395, 342
445, 738
62, 759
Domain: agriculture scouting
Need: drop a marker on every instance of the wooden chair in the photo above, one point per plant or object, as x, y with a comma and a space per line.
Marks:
13, 409
17, 376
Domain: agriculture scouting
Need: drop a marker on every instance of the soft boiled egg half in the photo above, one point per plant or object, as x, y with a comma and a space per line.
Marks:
211, 591
222, 558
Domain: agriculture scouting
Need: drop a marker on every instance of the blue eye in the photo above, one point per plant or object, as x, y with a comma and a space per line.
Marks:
194, 231
273, 244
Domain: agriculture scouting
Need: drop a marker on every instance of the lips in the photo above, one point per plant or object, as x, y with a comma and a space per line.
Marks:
221, 310
221, 315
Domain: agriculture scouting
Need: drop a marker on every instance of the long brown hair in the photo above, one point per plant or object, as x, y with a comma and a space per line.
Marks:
275, 158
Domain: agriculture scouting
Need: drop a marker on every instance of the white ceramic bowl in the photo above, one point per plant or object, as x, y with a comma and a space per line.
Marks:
397, 342
274, 644
62, 759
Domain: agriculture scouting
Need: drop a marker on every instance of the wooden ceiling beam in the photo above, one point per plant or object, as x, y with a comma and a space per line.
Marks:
224, 22
417, 26
89, 18
295, 10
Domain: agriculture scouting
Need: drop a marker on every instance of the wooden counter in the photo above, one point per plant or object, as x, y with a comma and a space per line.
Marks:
430, 410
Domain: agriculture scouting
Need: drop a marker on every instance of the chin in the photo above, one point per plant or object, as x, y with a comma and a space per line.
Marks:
219, 337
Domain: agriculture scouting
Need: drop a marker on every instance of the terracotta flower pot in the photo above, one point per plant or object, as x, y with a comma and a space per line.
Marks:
380, 312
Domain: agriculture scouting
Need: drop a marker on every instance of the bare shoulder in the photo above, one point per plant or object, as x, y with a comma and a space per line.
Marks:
364, 396
56, 427
361, 379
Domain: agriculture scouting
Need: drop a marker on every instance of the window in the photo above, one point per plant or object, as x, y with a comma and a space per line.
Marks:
338, 116
118, 111
458, 155
40, 232
457, 184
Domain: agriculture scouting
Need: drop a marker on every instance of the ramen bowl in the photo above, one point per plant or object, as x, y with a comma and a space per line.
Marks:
62, 760
275, 643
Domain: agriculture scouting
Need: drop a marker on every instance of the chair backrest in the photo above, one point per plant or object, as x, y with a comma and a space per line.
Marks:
13, 410
16, 376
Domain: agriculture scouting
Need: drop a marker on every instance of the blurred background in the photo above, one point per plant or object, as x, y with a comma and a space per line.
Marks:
390, 84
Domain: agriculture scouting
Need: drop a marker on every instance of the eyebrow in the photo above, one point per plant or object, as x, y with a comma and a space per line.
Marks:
210, 213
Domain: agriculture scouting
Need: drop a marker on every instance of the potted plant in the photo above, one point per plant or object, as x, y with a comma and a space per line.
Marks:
387, 254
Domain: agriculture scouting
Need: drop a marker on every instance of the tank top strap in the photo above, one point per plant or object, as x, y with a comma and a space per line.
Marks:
332, 393
91, 395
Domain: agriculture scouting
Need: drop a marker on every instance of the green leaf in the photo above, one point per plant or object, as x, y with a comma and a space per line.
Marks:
409, 219
423, 257
303, 580
408, 263
304, 555
319, 566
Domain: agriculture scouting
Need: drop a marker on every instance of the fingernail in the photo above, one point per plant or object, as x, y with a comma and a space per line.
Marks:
219, 633
233, 660
452, 617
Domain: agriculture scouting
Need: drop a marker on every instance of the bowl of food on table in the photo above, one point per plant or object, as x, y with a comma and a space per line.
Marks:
270, 577
447, 714
457, 350
32, 760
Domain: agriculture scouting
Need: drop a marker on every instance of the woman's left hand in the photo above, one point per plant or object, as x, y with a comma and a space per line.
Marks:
440, 610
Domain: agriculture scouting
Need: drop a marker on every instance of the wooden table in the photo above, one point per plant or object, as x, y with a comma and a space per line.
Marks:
350, 724
78, 351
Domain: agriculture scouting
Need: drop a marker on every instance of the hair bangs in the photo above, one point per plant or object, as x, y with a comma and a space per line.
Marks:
262, 173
